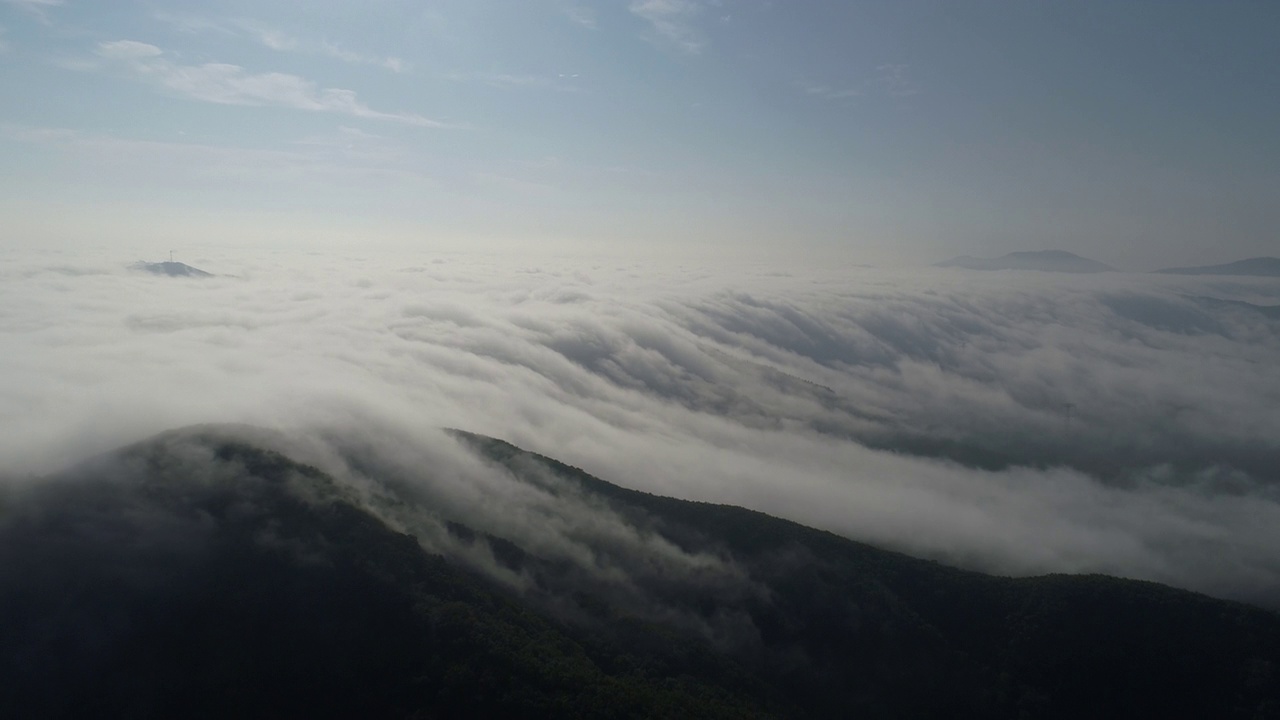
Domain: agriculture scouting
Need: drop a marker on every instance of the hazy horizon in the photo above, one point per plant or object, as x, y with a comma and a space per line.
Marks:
683, 244
1139, 134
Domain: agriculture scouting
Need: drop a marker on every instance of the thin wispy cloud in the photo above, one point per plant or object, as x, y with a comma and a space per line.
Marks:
580, 15
560, 82
281, 41
892, 80
829, 93
672, 21
227, 84
34, 4
337, 51
38, 8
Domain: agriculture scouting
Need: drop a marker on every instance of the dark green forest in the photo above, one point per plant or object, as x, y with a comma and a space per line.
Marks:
234, 581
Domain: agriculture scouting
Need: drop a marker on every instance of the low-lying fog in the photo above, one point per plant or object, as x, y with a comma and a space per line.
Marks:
1014, 422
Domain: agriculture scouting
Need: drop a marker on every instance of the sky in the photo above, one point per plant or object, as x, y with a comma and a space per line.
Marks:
1141, 134
636, 235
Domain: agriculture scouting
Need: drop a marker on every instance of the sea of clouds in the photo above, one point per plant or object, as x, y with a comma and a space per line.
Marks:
1013, 422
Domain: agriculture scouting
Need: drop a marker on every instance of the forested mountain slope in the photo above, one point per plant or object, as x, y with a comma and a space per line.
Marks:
202, 574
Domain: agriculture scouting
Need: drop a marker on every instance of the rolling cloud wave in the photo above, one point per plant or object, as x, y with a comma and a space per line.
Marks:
1012, 422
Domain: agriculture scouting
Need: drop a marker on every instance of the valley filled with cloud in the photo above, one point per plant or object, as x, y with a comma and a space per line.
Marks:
1012, 422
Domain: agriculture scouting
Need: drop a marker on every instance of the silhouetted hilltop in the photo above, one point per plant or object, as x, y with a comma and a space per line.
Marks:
1042, 260
171, 268
1259, 266
202, 574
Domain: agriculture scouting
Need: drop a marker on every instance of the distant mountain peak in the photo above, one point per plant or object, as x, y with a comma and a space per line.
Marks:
170, 268
1044, 254
1042, 260
1258, 267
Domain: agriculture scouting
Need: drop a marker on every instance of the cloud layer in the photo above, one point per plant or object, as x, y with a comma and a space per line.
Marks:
1011, 422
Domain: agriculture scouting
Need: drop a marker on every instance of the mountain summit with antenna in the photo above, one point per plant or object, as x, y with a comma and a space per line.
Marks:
171, 267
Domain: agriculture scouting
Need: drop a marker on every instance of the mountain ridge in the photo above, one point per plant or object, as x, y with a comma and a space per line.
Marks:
1254, 267
698, 608
1041, 260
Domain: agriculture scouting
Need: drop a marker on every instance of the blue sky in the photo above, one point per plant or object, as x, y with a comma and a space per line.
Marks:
1139, 133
